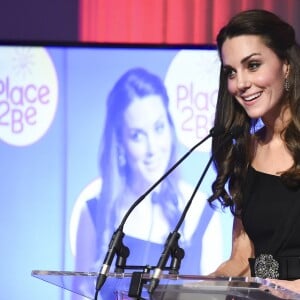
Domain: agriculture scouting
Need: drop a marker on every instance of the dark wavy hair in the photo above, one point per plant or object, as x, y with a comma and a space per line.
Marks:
232, 160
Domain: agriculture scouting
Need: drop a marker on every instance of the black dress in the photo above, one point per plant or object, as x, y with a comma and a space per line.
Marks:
271, 219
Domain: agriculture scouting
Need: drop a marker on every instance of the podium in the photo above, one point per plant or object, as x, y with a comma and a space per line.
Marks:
171, 287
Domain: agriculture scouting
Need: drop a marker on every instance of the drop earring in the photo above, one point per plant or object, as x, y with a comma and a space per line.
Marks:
286, 84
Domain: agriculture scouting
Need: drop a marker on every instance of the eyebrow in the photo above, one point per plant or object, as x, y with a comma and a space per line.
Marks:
249, 56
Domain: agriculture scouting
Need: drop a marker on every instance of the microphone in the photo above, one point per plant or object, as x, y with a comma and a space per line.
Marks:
174, 236
116, 245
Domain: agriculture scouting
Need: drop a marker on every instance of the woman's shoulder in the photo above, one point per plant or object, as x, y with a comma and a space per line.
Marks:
81, 211
86, 200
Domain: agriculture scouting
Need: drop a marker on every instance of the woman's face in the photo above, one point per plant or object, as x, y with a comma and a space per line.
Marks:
147, 139
255, 75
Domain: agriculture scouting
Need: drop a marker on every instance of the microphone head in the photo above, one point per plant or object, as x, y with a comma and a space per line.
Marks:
235, 131
217, 130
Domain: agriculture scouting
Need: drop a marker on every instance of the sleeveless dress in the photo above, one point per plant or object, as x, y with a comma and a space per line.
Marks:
267, 210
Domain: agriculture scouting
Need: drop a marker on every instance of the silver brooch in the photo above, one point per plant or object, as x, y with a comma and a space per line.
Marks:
266, 266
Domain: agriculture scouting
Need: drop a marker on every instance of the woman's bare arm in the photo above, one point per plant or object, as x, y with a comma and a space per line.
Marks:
242, 249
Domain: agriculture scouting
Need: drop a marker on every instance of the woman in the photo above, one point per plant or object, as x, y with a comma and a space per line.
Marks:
259, 90
138, 147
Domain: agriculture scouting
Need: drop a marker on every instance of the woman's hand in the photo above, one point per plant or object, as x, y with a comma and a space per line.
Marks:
292, 285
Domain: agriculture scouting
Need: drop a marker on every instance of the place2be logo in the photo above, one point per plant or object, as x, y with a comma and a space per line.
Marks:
28, 94
192, 84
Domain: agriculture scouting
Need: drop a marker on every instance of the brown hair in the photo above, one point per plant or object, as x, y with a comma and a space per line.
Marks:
232, 160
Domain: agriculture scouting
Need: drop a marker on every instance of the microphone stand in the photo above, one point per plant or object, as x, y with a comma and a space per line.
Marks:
116, 246
171, 246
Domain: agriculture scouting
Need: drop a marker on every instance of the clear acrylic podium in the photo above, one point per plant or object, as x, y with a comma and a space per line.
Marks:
171, 287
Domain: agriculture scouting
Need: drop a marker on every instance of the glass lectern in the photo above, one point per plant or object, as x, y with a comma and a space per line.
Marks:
171, 287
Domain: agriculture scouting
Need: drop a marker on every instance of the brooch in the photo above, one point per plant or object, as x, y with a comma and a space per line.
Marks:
266, 266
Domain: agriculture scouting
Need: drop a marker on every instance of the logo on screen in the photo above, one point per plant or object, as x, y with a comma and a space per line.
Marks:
192, 84
28, 94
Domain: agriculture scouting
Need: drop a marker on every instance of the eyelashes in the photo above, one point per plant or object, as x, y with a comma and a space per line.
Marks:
228, 72
251, 66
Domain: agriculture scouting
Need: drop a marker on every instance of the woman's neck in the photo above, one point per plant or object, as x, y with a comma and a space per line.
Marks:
275, 125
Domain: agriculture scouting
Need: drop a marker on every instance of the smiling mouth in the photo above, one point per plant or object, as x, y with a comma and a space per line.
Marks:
252, 97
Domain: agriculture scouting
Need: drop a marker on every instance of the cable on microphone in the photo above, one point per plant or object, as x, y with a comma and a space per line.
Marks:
173, 238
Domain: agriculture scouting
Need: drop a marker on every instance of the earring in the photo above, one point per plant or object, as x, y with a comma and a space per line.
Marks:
121, 157
286, 84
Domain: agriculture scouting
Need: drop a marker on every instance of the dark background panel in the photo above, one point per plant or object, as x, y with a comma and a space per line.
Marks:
39, 20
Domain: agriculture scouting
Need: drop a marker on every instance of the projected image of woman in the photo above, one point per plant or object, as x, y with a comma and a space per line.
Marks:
139, 145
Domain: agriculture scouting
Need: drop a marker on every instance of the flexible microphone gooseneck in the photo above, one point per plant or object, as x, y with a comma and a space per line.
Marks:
116, 243
171, 244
